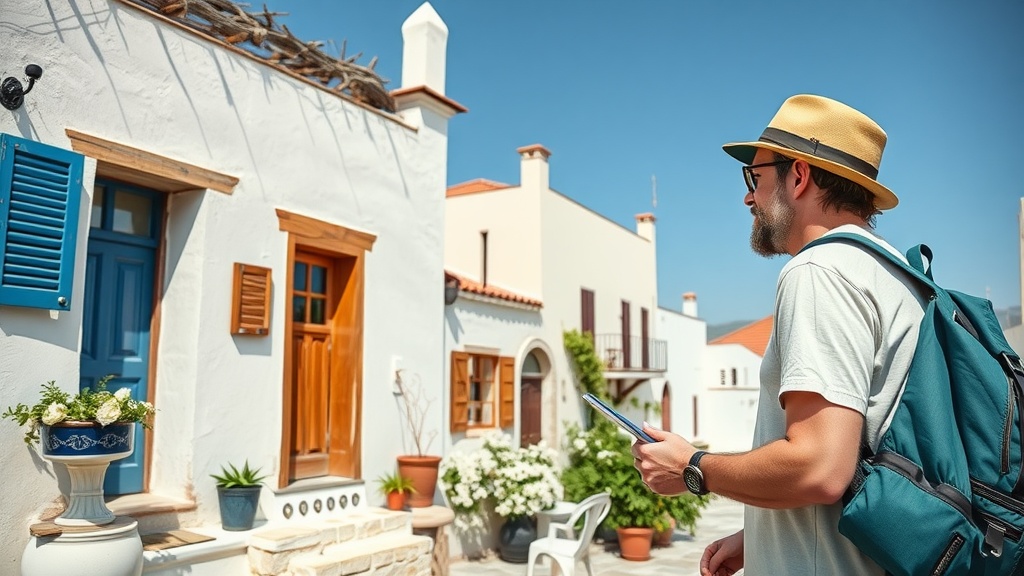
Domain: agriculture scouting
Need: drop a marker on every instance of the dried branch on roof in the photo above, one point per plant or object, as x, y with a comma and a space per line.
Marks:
258, 33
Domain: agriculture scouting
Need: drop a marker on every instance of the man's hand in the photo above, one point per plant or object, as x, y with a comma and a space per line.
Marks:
661, 463
723, 557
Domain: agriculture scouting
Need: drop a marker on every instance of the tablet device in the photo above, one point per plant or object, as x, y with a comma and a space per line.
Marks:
623, 422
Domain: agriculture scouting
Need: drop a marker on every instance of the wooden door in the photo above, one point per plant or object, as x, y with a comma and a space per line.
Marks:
529, 422
312, 308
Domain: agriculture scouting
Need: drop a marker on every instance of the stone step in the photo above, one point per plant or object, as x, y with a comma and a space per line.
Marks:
390, 553
271, 550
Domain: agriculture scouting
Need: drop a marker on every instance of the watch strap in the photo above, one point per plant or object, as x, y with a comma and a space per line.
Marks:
695, 459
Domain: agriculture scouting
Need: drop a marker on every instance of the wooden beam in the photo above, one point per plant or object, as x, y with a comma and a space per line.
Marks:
324, 235
128, 164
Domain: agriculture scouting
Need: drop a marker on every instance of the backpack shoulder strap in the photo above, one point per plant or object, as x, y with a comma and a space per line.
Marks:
919, 257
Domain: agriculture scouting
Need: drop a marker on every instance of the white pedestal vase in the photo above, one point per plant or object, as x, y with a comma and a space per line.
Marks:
111, 550
86, 449
93, 542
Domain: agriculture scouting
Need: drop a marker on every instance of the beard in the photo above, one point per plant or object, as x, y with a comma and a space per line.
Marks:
772, 224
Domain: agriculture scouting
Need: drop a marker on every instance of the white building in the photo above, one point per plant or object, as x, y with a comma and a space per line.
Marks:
202, 164
533, 263
682, 387
728, 402
1015, 334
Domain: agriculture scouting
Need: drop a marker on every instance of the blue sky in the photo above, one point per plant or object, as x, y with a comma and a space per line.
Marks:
621, 91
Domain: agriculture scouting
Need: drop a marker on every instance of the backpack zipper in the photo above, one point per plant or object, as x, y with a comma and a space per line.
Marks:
1011, 397
1009, 530
997, 497
946, 559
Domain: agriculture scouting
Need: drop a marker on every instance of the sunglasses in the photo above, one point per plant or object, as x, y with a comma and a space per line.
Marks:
751, 179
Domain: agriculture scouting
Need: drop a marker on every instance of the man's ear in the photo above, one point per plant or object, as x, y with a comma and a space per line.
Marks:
801, 171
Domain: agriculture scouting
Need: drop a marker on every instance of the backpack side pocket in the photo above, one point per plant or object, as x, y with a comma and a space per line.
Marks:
907, 525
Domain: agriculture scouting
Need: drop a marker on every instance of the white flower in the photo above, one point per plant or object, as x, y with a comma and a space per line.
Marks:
55, 413
108, 412
123, 394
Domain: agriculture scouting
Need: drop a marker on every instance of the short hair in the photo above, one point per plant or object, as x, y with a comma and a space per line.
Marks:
838, 193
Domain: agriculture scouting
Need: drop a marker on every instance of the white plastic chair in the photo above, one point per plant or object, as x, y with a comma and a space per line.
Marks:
567, 551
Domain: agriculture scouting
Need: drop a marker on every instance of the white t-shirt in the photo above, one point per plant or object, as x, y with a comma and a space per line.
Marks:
846, 328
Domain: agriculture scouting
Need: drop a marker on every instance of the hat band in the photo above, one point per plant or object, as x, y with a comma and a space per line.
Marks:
816, 148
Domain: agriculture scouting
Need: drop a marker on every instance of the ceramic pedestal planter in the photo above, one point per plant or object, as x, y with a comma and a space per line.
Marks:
635, 543
514, 539
422, 470
86, 449
238, 507
112, 550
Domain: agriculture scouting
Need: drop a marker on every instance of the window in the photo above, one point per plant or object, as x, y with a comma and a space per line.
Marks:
40, 187
722, 377
733, 376
587, 311
482, 391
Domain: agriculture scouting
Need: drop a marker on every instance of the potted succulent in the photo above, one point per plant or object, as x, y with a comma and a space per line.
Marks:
238, 493
85, 432
396, 488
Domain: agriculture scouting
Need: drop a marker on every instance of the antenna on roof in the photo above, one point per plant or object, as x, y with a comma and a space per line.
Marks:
654, 192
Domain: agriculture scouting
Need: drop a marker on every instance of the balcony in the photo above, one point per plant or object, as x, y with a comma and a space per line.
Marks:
634, 354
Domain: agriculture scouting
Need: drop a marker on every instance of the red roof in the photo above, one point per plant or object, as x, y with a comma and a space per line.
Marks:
474, 186
753, 336
474, 287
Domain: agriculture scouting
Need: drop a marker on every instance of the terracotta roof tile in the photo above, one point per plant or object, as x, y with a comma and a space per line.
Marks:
753, 336
474, 186
474, 287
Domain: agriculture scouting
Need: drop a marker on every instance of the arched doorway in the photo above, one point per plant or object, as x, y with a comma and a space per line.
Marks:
530, 380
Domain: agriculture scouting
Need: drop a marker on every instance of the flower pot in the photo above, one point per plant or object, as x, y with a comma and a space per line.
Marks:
663, 538
238, 507
635, 543
422, 470
514, 539
86, 449
396, 500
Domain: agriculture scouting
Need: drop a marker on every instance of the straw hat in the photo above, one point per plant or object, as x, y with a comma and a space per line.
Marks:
827, 134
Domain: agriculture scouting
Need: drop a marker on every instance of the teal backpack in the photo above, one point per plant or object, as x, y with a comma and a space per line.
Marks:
944, 492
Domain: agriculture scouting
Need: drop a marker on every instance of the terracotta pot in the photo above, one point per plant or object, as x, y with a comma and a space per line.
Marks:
663, 538
422, 470
396, 500
635, 543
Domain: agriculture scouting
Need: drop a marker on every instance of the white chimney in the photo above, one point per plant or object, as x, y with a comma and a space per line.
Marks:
690, 304
533, 167
425, 44
645, 226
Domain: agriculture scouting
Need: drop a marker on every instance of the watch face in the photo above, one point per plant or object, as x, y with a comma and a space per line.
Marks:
694, 479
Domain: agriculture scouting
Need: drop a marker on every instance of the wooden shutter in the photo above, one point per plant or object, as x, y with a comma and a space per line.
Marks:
250, 300
507, 392
587, 312
460, 392
40, 196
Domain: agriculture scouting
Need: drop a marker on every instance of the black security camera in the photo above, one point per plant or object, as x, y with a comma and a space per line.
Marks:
34, 72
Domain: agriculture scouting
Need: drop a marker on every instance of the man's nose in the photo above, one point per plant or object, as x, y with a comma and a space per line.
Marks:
748, 199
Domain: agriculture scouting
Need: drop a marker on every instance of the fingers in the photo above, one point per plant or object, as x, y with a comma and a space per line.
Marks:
655, 433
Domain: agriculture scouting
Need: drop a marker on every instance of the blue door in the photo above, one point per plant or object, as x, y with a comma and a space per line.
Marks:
119, 285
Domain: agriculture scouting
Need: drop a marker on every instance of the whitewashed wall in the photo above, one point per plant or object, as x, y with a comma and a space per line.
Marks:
511, 217
726, 413
120, 74
686, 337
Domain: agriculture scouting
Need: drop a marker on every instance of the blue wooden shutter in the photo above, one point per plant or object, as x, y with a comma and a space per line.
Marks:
40, 193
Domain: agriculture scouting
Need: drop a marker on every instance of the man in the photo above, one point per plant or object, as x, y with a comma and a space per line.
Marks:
844, 333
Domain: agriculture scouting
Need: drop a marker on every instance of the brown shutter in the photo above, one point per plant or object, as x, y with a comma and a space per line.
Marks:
250, 300
507, 374
460, 392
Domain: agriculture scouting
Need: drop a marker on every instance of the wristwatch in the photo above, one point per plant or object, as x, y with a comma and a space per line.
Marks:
692, 475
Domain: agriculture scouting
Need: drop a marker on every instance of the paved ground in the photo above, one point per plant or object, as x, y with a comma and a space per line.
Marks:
721, 518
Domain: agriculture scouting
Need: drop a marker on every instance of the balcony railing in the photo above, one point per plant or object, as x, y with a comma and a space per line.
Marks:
631, 353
